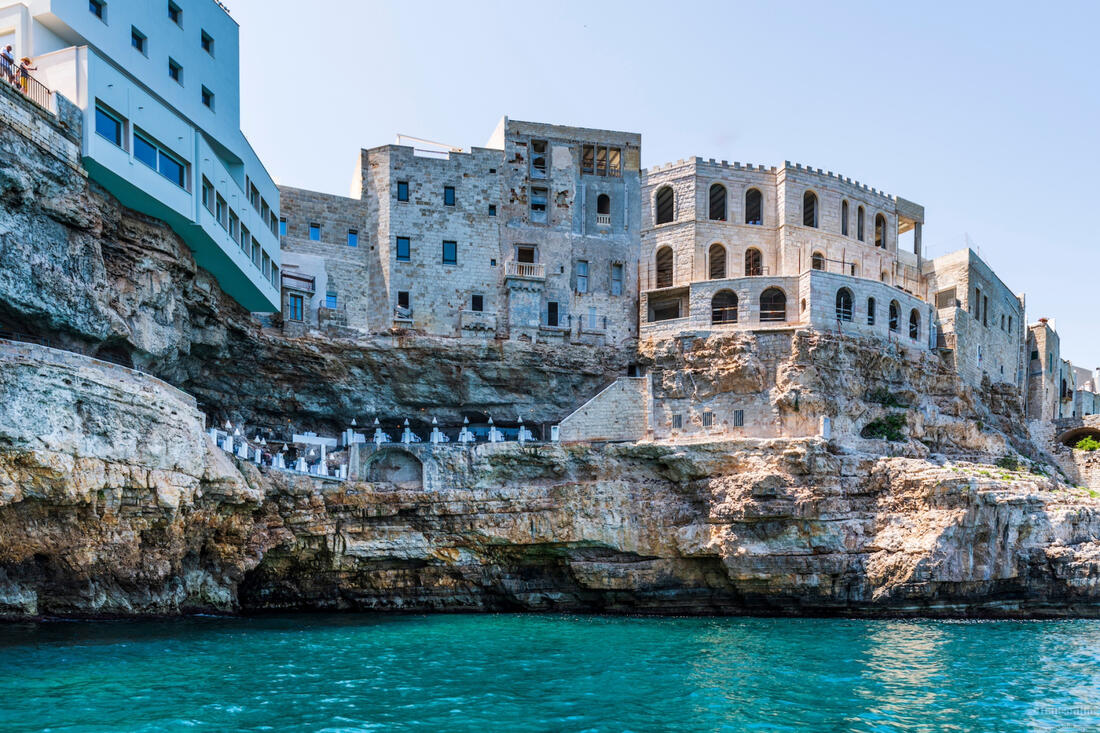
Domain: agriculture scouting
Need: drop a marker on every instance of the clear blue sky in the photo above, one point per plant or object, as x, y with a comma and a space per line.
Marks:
986, 114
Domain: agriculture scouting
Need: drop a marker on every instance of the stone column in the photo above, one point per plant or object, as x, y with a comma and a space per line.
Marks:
916, 239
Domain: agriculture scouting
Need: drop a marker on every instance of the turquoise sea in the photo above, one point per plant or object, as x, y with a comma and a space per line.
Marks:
548, 673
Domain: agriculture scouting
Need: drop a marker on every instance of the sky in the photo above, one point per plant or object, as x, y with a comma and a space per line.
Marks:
987, 114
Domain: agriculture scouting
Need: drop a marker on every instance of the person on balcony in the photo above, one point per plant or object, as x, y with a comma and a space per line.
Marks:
24, 73
7, 61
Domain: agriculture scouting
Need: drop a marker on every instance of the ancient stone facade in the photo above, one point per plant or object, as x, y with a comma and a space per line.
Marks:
533, 237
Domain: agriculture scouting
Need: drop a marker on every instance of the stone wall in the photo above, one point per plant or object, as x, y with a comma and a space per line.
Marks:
1044, 366
619, 412
56, 135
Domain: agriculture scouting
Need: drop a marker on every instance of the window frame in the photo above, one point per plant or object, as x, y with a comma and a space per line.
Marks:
580, 278
295, 307
398, 241
449, 197
175, 13
539, 215
314, 227
454, 252
404, 184
98, 8
477, 302
617, 272
175, 71
206, 42
353, 237
139, 41
120, 136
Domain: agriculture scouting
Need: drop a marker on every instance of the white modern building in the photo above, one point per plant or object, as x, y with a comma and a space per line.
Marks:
158, 83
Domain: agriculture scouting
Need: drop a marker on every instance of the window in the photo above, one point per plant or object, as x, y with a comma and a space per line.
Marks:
753, 263
817, 261
1010, 324
582, 276
1034, 355
708, 419
207, 98
880, 231
809, 209
275, 275
160, 160
870, 311
614, 162
773, 305
946, 298
723, 307
538, 205
601, 160
985, 310
616, 279
330, 300
403, 249
254, 197
246, 237
914, 324
844, 218
976, 306
282, 226
664, 263
315, 231
859, 223
538, 159
664, 205
234, 225
844, 304
450, 253
402, 190
208, 194
526, 253
256, 253
664, 310
738, 418
353, 237
139, 40
403, 299
108, 126
1002, 321
207, 42
593, 319
267, 266
895, 314
677, 422
448, 195
588, 159
717, 202
754, 207
477, 302
552, 316
98, 8
175, 14
294, 307
175, 71
492, 209
717, 262
603, 206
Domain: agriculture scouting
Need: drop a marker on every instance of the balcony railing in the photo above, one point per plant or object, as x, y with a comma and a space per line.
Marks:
21, 79
304, 283
603, 220
400, 313
530, 270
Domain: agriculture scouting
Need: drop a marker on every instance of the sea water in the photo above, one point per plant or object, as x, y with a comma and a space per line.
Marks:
548, 673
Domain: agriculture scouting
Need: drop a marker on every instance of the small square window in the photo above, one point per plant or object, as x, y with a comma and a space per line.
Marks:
138, 40
330, 300
175, 13
207, 42
282, 227
175, 71
404, 249
538, 205
207, 98
708, 419
677, 422
402, 190
315, 231
353, 238
448, 195
493, 262
450, 253
403, 299
98, 8
477, 303
492, 209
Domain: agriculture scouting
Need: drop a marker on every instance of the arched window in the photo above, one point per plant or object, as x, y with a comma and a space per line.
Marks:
754, 262
718, 202
914, 324
860, 216
664, 267
880, 231
723, 307
717, 261
870, 311
844, 218
817, 261
895, 314
665, 205
754, 207
773, 305
809, 209
603, 204
844, 304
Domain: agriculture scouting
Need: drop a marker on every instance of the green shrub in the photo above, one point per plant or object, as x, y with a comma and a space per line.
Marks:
1008, 462
886, 398
888, 427
1087, 443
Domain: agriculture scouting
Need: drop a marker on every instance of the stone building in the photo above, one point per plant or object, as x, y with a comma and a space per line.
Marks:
1044, 370
533, 237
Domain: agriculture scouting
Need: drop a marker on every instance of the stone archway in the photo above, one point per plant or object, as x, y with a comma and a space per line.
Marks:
395, 466
1071, 437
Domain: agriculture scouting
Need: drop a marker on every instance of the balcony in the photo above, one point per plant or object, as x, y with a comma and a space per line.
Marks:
603, 220
525, 270
21, 80
300, 283
478, 322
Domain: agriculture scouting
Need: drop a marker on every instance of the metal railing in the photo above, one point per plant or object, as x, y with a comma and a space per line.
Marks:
22, 80
524, 269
